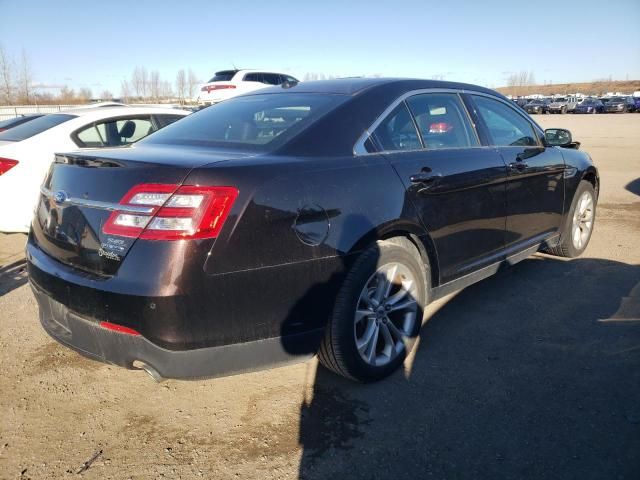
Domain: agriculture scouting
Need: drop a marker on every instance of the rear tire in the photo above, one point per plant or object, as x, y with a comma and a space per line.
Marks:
375, 322
579, 224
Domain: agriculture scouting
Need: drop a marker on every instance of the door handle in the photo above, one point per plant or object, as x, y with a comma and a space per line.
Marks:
519, 166
425, 177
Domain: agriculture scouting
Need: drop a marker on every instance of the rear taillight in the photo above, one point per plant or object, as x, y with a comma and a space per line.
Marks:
7, 164
211, 88
173, 213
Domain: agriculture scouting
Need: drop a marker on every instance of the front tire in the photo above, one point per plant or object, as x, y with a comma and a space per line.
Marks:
578, 227
378, 312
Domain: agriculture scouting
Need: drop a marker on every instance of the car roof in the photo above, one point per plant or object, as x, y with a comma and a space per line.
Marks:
357, 85
105, 112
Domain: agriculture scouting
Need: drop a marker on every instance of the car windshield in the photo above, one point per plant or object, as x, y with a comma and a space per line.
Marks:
253, 122
34, 127
223, 76
560, 100
589, 101
616, 100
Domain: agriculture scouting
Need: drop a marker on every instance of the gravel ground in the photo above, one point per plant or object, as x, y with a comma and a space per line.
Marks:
533, 373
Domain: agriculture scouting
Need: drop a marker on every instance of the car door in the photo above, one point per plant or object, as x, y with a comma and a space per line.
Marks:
455, 184
535, 186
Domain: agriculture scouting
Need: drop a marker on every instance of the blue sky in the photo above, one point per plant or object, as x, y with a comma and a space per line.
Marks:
96, 44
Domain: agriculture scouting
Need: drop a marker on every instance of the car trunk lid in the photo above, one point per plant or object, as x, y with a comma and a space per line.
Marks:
82, 191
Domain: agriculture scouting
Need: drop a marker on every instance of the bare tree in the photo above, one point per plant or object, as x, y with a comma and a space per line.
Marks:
6, 77
67, 95
154, 85
165, 89
181, 85
85, 94
140, 82
125, 91
192, 83
522, 78
25, 79
106, 95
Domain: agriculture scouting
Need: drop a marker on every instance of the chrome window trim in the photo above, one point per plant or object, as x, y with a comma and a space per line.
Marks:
109, 206
360, 150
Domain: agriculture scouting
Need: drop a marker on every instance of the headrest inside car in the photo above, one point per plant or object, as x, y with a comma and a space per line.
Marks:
128, 129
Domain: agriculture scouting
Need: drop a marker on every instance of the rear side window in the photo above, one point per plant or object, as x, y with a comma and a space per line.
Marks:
506, 126
442, 121
114, 133
253, 77
254, 122
34, 127
397, 131
165, 120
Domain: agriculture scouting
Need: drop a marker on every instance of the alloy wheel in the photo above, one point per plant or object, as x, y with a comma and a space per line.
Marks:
385, 314
582, 220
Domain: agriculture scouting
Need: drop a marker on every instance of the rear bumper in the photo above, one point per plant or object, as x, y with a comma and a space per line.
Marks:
87, 337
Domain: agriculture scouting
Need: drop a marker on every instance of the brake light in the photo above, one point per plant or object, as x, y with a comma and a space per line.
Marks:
211, 88
7, 164
174, 213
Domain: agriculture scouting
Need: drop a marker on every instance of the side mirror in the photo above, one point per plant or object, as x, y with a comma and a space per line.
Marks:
557, 137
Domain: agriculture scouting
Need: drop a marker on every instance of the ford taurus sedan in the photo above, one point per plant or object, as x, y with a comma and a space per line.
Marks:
314, 218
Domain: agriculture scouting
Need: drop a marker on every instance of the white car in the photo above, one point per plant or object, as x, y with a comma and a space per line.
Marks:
231, 83
26, 151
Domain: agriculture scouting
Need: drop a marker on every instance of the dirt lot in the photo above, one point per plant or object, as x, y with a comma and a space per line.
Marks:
534, 373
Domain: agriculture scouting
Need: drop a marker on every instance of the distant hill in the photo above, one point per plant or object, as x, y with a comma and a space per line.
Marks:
588, 88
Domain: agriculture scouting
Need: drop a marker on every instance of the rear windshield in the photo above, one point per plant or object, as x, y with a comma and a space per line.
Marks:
255, 122
18, 120
34, 127
223, 76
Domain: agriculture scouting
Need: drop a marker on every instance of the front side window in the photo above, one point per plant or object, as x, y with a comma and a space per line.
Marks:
442, 121
506, 126
272, 78
397, 131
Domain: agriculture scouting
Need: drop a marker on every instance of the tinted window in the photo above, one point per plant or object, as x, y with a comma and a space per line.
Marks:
223, 76
34, 127
271, 78
442, 121
253, 77
397, 131
256, 122
14, 122
165, 120
506, 126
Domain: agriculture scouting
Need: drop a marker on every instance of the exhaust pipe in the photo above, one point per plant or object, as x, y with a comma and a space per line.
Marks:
152, 372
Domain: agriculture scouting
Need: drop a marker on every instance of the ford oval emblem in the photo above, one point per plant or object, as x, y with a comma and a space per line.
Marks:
60, 196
